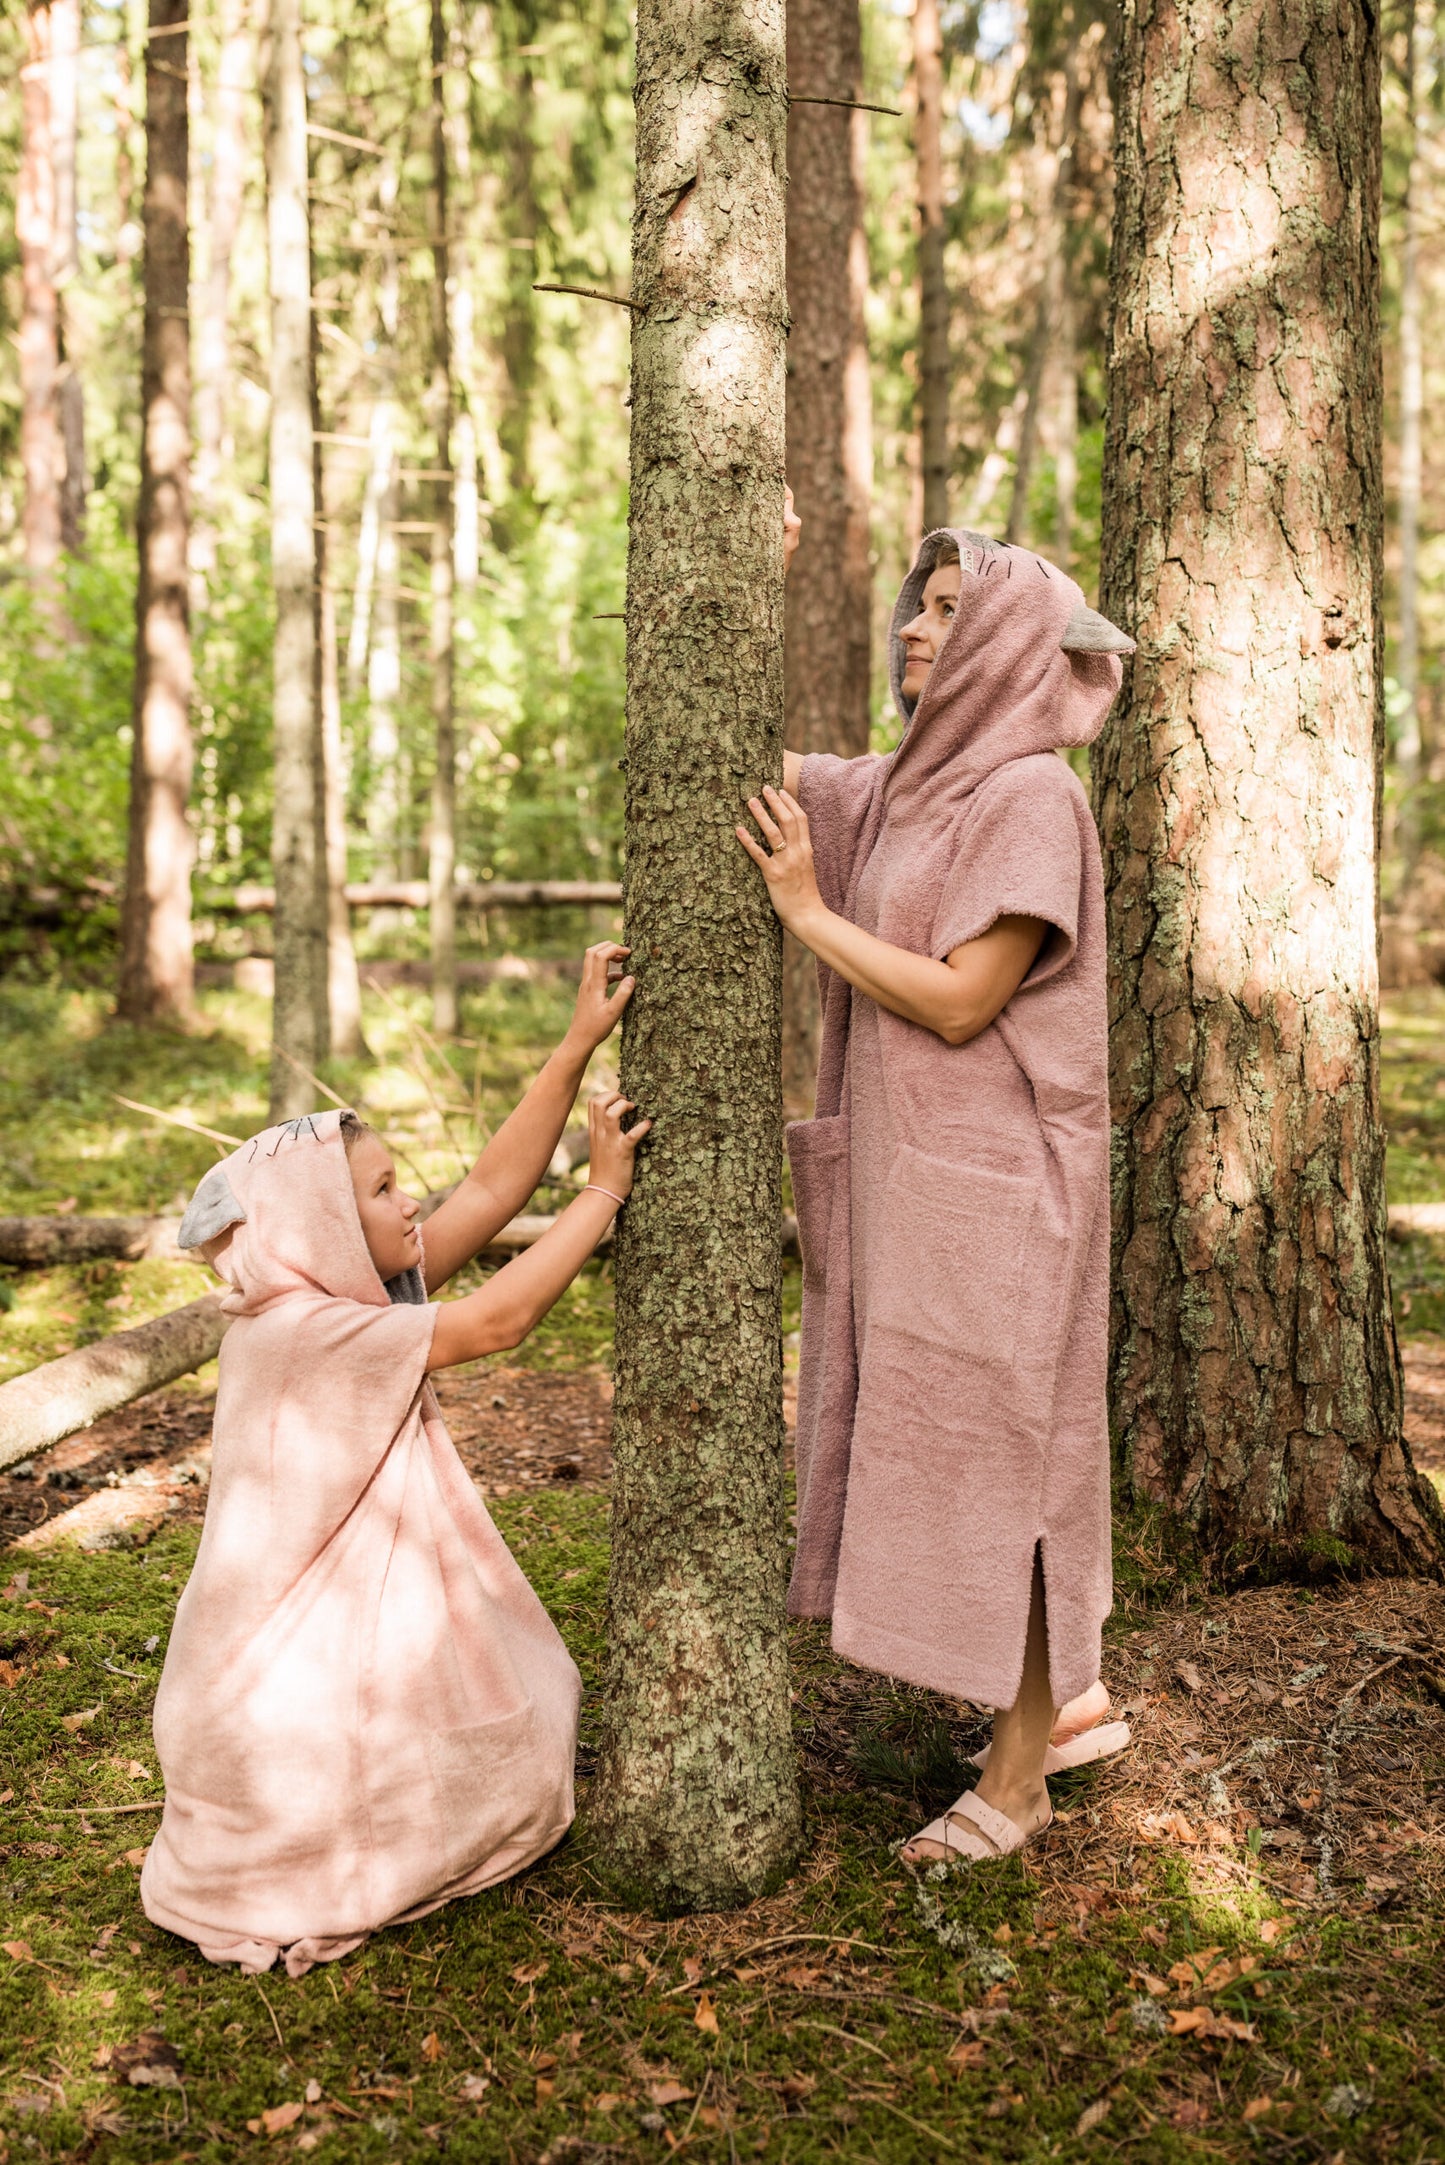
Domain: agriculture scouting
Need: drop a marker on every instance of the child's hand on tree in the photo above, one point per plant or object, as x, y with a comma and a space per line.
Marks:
614, 1152
599, 1011
792, 531
788, 865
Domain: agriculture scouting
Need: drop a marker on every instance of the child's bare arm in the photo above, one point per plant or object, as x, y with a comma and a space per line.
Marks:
514, 1301
508, 1170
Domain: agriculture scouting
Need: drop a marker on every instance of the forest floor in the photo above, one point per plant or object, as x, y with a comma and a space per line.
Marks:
1229, 1946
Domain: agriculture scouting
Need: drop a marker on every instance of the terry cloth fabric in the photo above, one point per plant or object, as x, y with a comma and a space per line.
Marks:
952, 1201
365, 1710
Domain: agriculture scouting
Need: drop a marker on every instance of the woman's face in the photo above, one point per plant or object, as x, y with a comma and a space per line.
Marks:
388, 1218
926, 634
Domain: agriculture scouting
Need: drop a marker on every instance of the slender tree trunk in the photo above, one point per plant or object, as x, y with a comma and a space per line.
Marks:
1001, 452
127, 237
1066, 424
300, 936
933, 361
156, 973
442, 855
42, 452
827, 673
1256, 1386
1032, 387
696, 1795
1412, 400
223, 218
466, 495
339, 1026
521, 225
1053, 335
70, 392
383, 690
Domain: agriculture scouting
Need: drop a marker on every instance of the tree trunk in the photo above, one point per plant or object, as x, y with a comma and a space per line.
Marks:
223, 218
156, 980
70, 393
44, 1243
1053, 336
1412, 400
1066, 423
42, 452
442, 853
933, 365
1256, 1385
297, 820
521, 224
695, 1795
342, 1024
827, 670
378, 505
466, 495
1032, 387
51, 1402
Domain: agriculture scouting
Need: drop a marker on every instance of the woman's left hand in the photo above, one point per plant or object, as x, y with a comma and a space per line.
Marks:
787, 865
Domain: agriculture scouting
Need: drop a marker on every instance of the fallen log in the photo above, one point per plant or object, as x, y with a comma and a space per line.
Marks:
42, 1243
415, 895
51, 1402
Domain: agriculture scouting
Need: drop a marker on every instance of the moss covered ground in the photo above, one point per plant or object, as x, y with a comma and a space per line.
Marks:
1228, 1947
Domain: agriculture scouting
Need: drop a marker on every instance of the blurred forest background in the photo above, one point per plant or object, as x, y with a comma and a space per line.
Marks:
538, 121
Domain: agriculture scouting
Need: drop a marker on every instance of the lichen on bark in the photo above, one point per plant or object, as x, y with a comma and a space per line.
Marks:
695, 1800
1255, 1375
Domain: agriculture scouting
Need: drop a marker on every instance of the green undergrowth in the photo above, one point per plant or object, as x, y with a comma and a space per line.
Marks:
1000, 2015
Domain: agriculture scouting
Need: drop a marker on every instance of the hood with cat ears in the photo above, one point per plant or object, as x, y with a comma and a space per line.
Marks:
1026, 666
279, 1217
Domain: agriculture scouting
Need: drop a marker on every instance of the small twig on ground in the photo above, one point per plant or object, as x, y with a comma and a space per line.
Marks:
274, 2023
134, 1674
696, 2109
945, 2142
1355, 1689
93, 1811
764, 1946
806, 2022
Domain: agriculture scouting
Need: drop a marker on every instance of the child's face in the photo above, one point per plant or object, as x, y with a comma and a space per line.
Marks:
388, 1218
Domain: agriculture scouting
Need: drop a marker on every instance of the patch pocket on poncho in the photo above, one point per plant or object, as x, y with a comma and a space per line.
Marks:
818, 1159
951, 1265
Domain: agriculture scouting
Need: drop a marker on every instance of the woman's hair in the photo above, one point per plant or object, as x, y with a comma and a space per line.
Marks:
946, 552
352, 1130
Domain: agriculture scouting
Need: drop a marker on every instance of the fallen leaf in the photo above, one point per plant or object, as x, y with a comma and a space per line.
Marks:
1183, 2021
607, 2102
105, 1999
706, 2016
1257, 2106
7, 1796
1273, 1928
312, 2092
10, 1675
1189, 2112
82, 1720
544, 2089
527, 1973
1091, 2115
103, 2053
19, 1950
691, 1969
19, 1585
136, 1857
969, 2052
1003, 1934
668, 2093
544, 2063
276, 2121
475, 2088
432, 2047
1188, 1676
1146, 1981
103, 1939
801, 1977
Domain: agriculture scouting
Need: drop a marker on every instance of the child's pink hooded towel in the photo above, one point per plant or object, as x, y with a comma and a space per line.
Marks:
365, 1709
953, 1200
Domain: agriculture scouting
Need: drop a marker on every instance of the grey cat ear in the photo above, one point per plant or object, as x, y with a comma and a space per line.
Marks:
1089, 633
211, 1210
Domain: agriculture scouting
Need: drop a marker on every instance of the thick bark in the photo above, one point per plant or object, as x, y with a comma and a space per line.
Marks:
42, 451
156, 977
1255, 1377
827, 647
298, 819
223, 218
1412, 401
50, 1403
933, 362
442, 848
696, 1797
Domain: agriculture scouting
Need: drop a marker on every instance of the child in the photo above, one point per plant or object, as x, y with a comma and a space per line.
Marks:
365, 1709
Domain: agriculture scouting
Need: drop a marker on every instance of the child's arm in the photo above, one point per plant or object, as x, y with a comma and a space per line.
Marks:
508, 1170
516, 1298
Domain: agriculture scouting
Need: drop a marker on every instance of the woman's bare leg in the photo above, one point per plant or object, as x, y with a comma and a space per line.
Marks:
1013, 1778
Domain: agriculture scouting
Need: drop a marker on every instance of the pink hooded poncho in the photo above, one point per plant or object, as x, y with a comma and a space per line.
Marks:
953, 1201
365, 1709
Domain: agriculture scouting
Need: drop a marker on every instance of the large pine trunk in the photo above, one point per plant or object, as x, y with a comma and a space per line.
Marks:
933, 362
442, 847
156, 980
298, 821
827, 646
696, 1794
1255, 1378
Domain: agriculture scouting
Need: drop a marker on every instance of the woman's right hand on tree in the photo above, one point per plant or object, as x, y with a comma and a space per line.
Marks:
792, 531
614, 1151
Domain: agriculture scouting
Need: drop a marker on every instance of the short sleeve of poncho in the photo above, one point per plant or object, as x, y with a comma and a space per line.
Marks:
837, 795
1020, 855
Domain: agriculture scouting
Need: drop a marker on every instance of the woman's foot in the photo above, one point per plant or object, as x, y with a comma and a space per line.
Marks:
1080, 1714
974, 1831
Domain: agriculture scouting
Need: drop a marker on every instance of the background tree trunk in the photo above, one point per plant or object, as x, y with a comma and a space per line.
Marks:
521, 225
1412, 404
156, 974
298, 821
695, 1793
1256, 1384
343, 983
42, 453
442, 854
828, 644
933, 364
223, 218
70, 392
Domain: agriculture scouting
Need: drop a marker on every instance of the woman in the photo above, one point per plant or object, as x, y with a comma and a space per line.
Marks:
952, 1194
